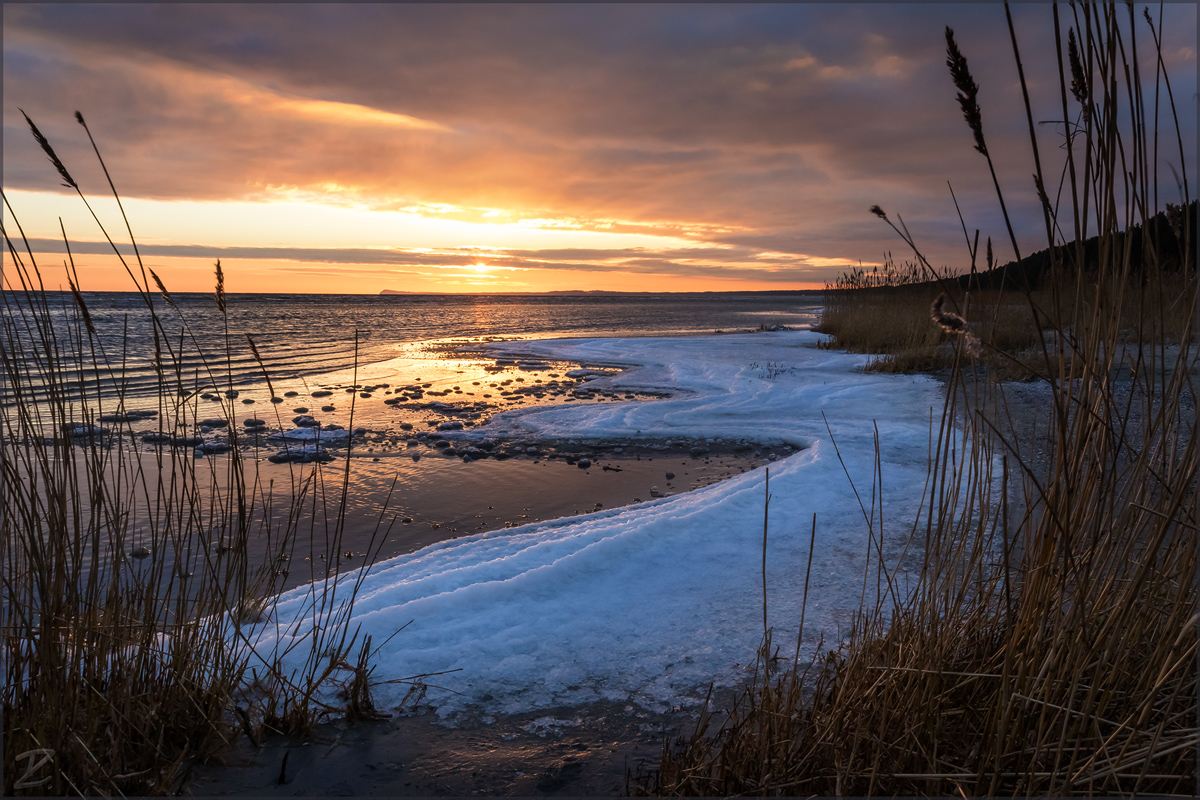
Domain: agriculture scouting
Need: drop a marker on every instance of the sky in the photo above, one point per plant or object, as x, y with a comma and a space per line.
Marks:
348, 148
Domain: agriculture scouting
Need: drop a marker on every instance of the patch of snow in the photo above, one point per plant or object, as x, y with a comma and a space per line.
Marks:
649, 603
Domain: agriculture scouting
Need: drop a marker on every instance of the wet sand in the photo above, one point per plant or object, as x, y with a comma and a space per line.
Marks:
585, 751
415, 428
409, 410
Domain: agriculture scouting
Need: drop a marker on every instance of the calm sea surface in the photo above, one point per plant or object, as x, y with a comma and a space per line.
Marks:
311, 334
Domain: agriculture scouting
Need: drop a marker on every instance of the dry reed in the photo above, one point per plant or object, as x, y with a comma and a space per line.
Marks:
1049, 647
128, 585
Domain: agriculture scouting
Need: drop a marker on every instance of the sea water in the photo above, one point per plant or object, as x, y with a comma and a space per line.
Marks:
311, 334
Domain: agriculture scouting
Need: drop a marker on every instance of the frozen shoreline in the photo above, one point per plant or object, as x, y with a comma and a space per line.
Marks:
649, 603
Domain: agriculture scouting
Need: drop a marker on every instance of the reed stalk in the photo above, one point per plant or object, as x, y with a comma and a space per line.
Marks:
1049, 645
129, 589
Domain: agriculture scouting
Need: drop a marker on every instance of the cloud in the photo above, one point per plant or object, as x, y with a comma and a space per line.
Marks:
774, 124
733, 263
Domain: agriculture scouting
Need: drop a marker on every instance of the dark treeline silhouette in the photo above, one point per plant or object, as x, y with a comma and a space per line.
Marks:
1161, 247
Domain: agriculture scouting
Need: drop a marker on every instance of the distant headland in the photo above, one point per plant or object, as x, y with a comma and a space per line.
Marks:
596, 292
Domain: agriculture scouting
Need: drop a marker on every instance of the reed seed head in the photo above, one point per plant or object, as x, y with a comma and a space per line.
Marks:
253, 349
220, 288
1041, 193
83, 309
1079, 82
953, 323
968, 90
165, 294
946, 320
877, 211
49, 151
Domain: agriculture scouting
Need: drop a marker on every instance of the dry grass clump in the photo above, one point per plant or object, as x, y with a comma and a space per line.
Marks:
894, 325
1153, 306
129, 592
1049, 644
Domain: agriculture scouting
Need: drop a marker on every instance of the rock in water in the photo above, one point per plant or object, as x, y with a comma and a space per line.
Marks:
301, 455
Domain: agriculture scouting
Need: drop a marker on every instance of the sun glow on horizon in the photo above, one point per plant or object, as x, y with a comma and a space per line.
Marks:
321, 248
287, 223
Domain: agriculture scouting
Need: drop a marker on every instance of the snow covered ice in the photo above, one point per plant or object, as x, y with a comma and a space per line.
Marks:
651, 602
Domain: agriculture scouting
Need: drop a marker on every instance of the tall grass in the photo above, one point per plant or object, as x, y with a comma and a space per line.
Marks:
131, 576
1049, 645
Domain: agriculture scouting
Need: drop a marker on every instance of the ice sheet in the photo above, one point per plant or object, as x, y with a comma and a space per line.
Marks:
652, 602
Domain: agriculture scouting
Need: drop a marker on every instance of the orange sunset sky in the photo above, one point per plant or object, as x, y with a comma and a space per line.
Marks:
350, 148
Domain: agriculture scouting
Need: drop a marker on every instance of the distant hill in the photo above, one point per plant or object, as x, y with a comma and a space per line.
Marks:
1029, 270
596, 292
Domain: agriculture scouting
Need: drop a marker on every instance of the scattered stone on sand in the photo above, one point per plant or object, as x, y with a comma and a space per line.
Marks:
300, 410
305, 421
291, 394
307, 434
254, 423
231, 393
82, 430
322, 393
583, 463
303, 454
670, 475
327, 408
276, 399
215, 422
128, 416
